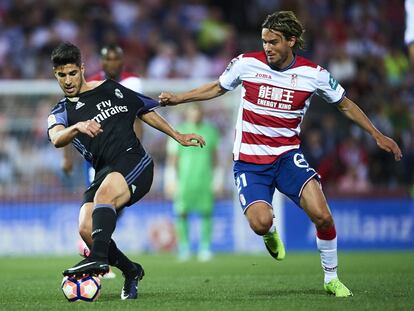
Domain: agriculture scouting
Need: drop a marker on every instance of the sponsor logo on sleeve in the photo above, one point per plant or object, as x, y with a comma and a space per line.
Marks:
233, 61
332, 82
51, 120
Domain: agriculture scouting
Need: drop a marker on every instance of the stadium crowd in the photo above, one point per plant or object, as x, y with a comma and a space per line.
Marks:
359, 42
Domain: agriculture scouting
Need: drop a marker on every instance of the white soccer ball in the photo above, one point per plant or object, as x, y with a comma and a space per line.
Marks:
86, 288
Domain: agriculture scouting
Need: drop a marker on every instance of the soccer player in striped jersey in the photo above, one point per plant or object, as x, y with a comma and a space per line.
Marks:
97, 118
277, 87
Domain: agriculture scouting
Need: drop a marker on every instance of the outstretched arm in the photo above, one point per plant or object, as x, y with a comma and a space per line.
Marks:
354, 113
156, 121
204, 92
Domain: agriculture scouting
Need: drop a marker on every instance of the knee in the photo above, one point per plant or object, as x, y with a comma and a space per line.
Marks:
324, 221
261, 224
104, 195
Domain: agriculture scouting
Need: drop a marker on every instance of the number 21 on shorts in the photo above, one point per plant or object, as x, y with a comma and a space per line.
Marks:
241, 182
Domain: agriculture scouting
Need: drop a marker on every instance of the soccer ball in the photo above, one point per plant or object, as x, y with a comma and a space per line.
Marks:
87, 288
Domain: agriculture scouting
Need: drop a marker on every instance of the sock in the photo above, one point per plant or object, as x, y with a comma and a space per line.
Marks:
273, 227
103, 225
182, 234
206, 229
119, 259
327, 245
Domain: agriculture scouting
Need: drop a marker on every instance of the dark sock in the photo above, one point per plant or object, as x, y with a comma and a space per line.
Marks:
119, 259
103, 225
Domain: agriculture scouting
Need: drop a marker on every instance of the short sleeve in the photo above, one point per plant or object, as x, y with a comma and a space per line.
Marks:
328, 87
149, 103
58, 116
230, 78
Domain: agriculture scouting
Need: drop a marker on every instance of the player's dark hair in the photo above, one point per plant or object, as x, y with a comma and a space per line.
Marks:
288, 24
111, 48
66, 53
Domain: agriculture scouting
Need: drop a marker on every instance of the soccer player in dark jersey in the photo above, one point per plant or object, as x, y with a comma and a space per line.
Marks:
112, 63
97, 118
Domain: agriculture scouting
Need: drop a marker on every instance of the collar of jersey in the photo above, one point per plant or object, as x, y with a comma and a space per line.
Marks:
92, 91
287, 67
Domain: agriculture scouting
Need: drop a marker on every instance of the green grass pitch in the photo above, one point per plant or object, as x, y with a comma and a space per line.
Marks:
379, 280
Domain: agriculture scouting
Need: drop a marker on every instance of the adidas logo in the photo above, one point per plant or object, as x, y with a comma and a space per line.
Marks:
79, 105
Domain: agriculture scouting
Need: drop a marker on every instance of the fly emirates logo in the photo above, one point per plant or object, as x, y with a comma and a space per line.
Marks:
106, 110
275, 97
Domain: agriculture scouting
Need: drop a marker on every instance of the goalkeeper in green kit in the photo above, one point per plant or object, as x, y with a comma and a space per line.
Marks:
192, 178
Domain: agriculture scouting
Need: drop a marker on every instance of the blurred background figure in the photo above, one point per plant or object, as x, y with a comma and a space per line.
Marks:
191, 178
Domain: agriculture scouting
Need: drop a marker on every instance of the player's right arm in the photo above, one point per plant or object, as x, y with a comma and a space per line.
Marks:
60, 135
228, 81
204, 92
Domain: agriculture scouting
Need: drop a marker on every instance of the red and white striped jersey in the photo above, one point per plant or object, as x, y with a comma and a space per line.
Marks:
129, 80
273, 103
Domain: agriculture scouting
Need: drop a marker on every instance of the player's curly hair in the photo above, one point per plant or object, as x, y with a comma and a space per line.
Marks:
66, 53
288, 24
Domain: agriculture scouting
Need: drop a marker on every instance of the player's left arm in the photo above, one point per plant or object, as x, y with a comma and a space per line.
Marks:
354, 113
156, 121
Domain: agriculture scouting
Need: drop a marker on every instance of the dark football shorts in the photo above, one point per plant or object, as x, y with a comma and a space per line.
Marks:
138, 174
257, 182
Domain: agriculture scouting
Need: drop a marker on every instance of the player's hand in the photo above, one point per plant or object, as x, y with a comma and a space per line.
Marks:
168, 99
90, 128
389, 145
191, 140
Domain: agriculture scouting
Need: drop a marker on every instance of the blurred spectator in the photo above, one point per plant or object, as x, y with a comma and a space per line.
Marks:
313, 146
341, 66
213, 32
353, 157
162, 65
191, 63
396, 65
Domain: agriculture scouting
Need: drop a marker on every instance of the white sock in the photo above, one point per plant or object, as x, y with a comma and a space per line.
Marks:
329, 258
273, 227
